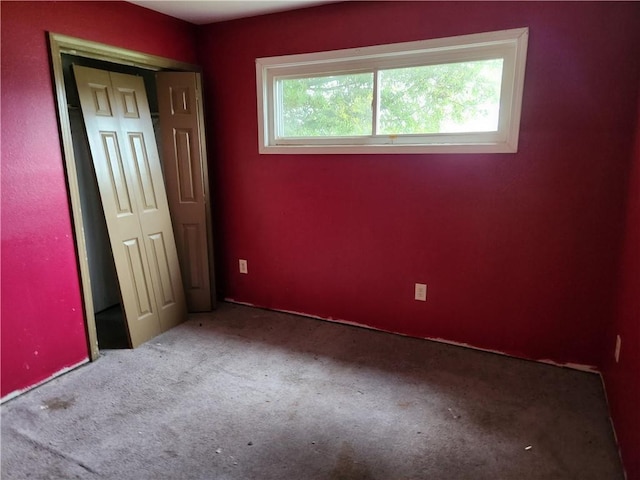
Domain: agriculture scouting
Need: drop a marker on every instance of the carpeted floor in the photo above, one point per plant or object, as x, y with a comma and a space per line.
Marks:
249, 394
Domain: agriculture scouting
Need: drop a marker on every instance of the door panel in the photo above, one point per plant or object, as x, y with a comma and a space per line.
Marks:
141, 161
160, 257
186, 176
153, 208
191, 237
125, 158
116, 173
184, 166
135, 263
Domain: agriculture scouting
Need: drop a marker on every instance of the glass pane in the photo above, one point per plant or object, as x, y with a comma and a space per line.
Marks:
331, 106
454, 97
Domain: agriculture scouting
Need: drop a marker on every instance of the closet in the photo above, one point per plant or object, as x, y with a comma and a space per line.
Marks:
181, 168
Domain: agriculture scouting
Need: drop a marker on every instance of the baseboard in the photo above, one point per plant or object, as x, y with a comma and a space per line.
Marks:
17, 393
572, 366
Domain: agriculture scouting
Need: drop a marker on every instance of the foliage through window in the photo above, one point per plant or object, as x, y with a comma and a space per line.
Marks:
458, 94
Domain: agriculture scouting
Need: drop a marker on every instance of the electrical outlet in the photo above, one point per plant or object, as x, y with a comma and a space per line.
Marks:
243, 266
421, 292
618, 345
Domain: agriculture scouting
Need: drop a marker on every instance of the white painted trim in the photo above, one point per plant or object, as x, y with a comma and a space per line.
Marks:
17, 393
572, 366
510, 45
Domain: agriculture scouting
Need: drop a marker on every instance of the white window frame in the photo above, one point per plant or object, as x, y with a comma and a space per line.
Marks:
510, 45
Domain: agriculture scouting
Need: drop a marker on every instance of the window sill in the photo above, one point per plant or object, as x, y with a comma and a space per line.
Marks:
388, 149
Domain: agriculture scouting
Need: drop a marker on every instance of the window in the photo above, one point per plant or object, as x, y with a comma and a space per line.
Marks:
451, 95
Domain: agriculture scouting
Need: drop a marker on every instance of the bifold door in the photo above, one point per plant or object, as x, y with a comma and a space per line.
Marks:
184, 162
125, 156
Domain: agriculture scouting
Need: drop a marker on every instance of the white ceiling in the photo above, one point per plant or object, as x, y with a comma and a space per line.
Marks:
201, 12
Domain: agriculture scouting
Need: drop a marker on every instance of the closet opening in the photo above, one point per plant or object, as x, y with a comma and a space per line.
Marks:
111, 328
107, 316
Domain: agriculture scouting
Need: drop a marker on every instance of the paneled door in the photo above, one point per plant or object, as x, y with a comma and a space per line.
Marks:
125, 157
185, 170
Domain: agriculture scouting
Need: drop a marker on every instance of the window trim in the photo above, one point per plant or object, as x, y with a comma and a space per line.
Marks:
511, 45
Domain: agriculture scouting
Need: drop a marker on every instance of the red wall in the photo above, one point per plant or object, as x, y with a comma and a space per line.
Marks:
519, 251
623, 379
42, 322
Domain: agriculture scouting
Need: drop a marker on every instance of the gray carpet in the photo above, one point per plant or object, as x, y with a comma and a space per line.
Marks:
249, 394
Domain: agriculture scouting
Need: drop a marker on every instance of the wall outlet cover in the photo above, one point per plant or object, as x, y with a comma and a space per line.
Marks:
243, 266
421, 292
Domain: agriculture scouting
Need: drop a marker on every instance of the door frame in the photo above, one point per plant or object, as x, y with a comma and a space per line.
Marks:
63, 44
